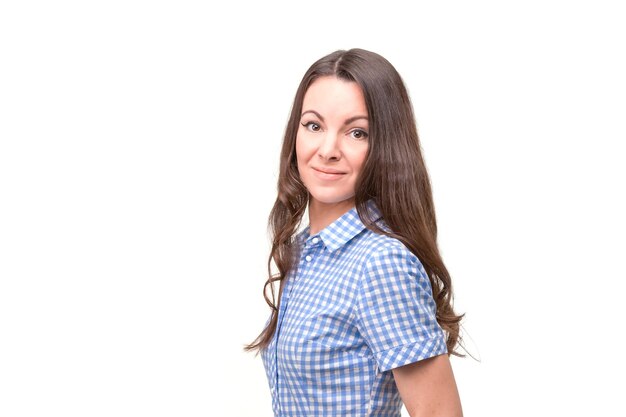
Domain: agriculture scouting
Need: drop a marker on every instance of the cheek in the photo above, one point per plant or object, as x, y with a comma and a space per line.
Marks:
303, 152
358, 159
300, 157
299, 153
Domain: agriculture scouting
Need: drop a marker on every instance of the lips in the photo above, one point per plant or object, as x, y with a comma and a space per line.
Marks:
328, 173
328, 170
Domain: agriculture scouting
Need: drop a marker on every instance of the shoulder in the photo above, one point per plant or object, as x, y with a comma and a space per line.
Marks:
382, 250
387, 261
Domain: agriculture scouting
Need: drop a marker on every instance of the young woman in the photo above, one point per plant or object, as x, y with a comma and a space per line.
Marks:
364, 318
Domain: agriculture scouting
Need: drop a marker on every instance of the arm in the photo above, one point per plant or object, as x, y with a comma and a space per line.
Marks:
428, 389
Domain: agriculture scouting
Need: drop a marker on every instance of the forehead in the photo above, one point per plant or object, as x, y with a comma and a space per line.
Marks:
331, 96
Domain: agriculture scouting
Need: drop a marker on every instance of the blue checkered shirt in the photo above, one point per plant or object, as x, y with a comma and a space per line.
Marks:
358, 305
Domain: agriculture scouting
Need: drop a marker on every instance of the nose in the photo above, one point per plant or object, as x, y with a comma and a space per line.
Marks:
329, 147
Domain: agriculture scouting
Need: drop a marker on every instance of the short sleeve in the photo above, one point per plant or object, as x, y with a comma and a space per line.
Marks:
395, 310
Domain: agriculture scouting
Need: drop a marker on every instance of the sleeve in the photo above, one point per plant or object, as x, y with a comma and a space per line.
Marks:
395, 309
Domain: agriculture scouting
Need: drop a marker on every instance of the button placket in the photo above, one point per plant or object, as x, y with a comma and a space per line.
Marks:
310, 250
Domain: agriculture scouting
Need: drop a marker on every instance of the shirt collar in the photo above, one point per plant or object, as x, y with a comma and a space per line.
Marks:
342, 230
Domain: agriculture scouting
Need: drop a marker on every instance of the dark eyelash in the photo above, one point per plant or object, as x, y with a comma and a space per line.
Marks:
306, 124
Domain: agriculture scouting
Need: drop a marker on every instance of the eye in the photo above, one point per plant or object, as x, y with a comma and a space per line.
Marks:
359, 134
312, 126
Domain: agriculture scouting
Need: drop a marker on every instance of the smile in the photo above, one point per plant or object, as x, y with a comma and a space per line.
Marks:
328, 174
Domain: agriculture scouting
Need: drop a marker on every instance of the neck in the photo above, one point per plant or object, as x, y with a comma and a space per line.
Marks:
323, 214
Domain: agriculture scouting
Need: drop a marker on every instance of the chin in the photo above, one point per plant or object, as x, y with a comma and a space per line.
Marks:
333, 199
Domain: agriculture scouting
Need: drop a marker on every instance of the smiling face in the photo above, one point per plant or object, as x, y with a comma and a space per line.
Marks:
332, 142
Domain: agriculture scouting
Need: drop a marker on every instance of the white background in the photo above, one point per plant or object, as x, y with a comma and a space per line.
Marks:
138, 157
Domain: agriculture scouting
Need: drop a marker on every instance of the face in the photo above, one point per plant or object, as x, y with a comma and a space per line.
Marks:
332, 141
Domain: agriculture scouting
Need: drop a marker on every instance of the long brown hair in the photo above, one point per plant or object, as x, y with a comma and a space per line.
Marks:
394, 176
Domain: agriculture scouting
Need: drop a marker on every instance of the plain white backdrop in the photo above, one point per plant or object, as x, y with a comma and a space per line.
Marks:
138, 158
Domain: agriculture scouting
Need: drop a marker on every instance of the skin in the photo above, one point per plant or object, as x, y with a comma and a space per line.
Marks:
331, 148
428, 388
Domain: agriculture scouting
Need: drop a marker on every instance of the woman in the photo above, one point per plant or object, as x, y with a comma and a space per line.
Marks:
364, 319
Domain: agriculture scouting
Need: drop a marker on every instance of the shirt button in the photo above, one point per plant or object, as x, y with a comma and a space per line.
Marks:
315, 240
308, 258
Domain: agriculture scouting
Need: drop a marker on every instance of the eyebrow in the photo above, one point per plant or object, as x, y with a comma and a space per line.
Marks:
347, 122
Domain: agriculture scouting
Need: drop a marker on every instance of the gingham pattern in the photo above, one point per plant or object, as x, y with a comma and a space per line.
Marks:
359, 305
